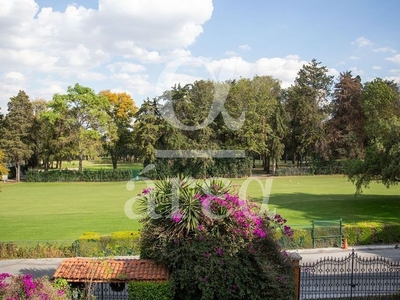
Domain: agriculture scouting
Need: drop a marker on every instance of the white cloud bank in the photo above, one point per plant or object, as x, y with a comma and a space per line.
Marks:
123, 45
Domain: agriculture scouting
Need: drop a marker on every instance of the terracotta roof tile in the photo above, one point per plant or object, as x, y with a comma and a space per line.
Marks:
110, 270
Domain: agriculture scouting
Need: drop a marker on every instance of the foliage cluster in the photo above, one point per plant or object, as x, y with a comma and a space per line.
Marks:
361, 233
144, 290
214, 244
99, 175
121, 243
27, 287
201, 168
315, 119
9, 250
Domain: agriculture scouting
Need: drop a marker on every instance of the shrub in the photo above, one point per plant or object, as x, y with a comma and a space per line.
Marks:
118, 243
201, 167
369, 233
213, 243
10, 250
26, 287
100, 175
143, 290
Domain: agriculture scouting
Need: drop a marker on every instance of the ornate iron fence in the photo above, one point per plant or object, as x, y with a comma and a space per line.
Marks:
113, 291
101, 290
352, 277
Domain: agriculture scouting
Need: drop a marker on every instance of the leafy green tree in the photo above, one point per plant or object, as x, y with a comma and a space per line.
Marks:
275, 139
346, 127
215, 245
17, 125
38, 133
307, 106
146, 130
85, 114
121, 111
3, 167
381, 107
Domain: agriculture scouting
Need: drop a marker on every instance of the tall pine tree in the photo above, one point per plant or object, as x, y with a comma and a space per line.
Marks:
17, 125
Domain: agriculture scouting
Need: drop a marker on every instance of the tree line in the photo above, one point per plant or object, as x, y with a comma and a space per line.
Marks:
318, 117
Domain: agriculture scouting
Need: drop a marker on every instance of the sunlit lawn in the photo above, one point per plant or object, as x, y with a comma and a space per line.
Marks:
63, 211
101, 163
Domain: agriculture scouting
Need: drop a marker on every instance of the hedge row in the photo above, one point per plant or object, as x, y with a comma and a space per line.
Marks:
201, 167
100, 175
45, 249
126, 243
142, 290
363, 233
316, 167
120, 243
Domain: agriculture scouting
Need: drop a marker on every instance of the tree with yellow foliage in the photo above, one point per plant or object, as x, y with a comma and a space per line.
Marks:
3, 168
119, 132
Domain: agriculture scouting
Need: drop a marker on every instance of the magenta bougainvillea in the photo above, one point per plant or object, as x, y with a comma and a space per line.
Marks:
25, 287
215, 244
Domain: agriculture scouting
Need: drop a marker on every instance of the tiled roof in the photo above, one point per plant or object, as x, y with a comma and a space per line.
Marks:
110, 270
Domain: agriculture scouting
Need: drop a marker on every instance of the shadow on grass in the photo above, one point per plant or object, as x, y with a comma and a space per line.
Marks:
302, 208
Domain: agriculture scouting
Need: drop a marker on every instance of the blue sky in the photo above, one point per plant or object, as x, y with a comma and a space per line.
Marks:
144, 47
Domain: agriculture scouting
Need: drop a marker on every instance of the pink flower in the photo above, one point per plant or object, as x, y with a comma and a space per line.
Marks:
177, 216
146, 191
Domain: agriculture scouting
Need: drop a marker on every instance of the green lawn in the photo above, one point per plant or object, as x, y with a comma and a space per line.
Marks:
63, 211
101, 163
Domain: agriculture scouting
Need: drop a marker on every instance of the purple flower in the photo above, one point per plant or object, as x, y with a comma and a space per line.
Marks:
177, 216
259, 232
146, 191
200, 227
220, 251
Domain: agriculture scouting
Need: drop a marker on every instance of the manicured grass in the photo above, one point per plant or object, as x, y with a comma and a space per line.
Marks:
63, 211
101, 163
305, 198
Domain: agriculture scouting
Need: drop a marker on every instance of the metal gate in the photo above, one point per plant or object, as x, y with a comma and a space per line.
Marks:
106, 291
352, 277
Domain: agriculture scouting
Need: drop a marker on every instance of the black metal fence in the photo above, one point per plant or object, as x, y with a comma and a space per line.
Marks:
106, 291
352, 277
101, 290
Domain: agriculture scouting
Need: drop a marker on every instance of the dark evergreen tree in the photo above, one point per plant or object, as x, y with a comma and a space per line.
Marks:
15, 142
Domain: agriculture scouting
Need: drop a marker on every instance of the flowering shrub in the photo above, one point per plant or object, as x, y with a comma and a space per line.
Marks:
216, 245
26, 287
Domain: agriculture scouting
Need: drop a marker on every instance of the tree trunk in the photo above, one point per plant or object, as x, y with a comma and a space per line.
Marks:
114, 160
17, 171
274, 166
80, 167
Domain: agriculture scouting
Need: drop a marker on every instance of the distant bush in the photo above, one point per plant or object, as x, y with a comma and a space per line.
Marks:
362, 233
119, 243
100, 175
10, 250
201, 168
371, 233
315, 167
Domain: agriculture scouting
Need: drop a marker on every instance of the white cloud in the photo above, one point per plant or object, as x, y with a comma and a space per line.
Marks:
362, 42
16, 77
245, 47
230, 53
78, 43
385, 50
284, 69
376, 68
356, 71
354, 57
126, 67
395, 59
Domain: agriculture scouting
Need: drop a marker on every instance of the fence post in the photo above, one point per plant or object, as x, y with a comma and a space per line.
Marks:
295, 258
